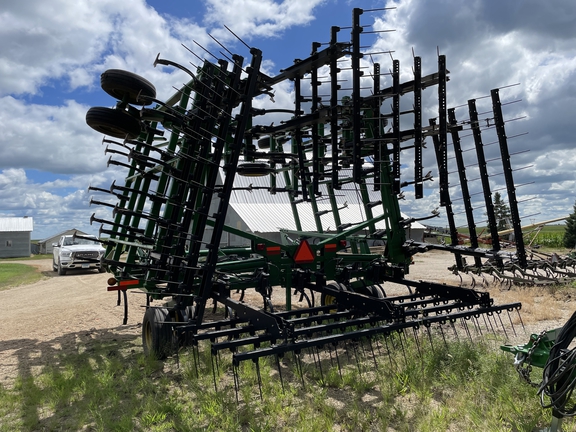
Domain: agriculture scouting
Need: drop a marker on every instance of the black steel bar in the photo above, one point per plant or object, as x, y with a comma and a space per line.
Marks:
484, 174
357, 160
418, 182
442, 152
514, 214
396, 134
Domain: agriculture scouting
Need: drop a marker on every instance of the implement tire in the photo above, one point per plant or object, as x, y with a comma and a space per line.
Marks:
157, 336
113, 122
127, 87
326, 299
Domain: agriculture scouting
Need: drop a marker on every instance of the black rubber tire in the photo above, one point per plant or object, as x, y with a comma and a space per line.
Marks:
375, 291
157, 337
127, 86
326, 299
61, 270
250, 169
113, 122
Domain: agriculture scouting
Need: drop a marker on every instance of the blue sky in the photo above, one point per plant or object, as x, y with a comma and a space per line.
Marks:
53, 52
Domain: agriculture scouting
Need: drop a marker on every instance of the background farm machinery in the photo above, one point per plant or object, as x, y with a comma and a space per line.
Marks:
334, 159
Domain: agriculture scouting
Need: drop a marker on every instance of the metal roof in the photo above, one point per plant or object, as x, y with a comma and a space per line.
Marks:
266, 212
16, 224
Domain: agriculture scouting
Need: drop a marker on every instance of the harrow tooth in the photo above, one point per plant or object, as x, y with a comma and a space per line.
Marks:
259, 377
236, 377
317, 353
299, 367
373, 354
338, 360
429, 337
214, 372
502, 324
417, 340
279, 367
511, 323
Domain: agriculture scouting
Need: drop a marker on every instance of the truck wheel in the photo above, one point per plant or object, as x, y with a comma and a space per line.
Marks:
113, 122
61, 270
127, 86
157, 337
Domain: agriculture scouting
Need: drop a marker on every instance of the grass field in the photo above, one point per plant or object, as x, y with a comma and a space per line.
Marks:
458, 386
13, 274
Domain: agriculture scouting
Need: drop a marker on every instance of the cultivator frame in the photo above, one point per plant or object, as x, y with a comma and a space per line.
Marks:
184, 157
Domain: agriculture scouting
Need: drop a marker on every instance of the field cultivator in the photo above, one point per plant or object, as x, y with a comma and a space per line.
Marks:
332, 163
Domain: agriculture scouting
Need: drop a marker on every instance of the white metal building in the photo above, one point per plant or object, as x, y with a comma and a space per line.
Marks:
15, 236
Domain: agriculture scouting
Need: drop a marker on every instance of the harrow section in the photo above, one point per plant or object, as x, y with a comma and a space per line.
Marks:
332, 160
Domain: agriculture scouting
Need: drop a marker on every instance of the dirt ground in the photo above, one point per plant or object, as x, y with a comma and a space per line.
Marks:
60, 313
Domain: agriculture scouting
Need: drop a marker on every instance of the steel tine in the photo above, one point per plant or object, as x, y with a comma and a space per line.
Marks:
511, 323
279, 371
417, 340
490, 321
378, 347
195, 356
346, 350
356, 358
320, 365
443, 336
388, 351
257, 363
502, 324
464, 324
402, 348
476, 326
236, 374
331, 358
213, 373
485, 322
520, 318
337, 358
373, 353
429, 336
299, 367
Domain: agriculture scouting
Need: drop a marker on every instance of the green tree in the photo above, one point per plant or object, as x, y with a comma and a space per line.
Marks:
501, 211
570, 230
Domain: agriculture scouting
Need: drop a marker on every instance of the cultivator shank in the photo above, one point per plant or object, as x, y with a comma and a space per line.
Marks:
332, 161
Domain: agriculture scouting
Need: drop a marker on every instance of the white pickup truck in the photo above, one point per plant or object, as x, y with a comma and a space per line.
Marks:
77, 253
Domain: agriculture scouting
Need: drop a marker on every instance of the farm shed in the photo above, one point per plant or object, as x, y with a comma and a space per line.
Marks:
15, 233
45, 245
252, 209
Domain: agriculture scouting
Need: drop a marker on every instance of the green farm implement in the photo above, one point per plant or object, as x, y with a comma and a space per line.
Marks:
332, 163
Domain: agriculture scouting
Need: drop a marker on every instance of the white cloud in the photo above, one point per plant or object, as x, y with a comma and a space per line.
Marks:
253, 19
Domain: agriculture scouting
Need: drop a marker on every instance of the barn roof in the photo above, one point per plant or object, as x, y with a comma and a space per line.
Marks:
16, 224
265, 212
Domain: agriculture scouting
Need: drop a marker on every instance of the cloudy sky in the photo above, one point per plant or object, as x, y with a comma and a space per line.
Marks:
53, 52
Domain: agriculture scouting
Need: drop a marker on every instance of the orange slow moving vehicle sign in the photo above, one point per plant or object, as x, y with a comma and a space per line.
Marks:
304, 254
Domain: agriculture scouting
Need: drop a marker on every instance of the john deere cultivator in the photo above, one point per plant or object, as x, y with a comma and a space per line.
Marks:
187, 159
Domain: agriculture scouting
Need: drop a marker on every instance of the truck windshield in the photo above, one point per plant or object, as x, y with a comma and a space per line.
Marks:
80, 241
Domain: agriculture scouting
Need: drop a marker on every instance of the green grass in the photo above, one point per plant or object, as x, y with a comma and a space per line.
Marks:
31, 257
108, 385
12, 275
